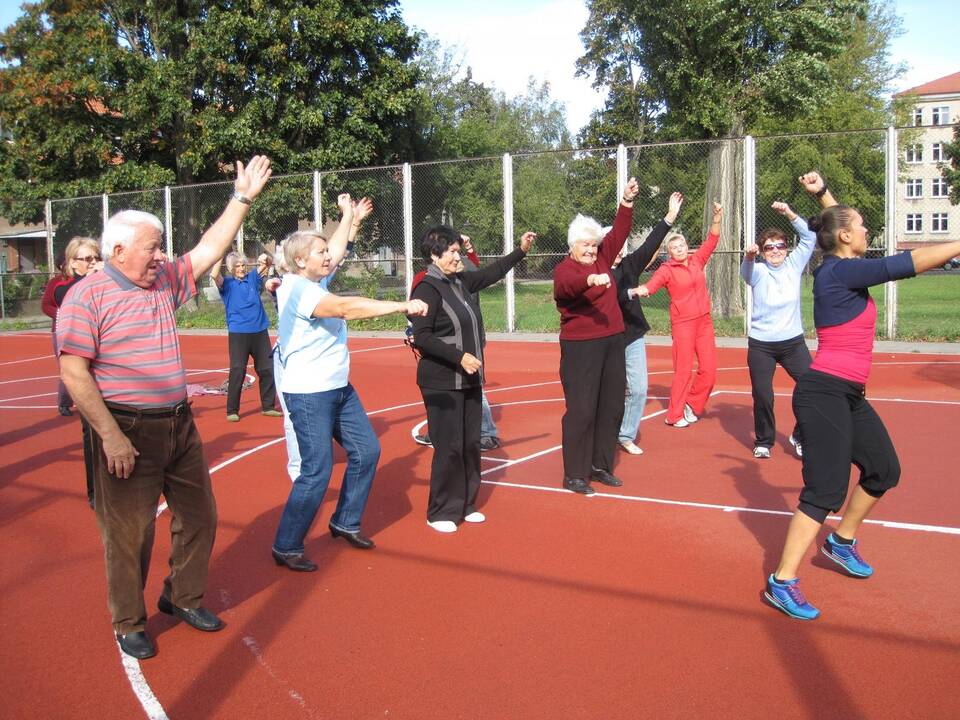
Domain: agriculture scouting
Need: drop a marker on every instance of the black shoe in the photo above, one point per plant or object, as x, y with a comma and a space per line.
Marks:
200, 618
67, 412
137, 644
578, 485
423, 440
491, 442
605, 477
354, 538
297, 563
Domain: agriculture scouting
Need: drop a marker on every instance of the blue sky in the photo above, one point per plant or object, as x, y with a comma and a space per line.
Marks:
506, 42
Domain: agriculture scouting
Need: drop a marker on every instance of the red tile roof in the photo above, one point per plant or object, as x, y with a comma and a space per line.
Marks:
946, 84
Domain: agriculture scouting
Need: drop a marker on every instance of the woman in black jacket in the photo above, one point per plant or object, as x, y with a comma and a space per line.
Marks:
627, 275
450, 372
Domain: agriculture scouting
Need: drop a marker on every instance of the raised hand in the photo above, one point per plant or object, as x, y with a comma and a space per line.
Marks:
717, 211
466, 245
631, 191
752, 250
526, 240
253, 176
784, 209
673, 206
812, 182
362, 209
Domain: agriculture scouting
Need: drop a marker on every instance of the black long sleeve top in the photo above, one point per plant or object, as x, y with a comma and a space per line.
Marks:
627, 275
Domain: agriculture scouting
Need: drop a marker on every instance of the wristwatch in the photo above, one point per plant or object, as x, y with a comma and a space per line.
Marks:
241, 198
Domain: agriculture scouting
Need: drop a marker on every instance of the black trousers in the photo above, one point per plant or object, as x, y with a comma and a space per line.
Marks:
88, 451
840, 428
594, 378
453, 417
257, 346
762, 359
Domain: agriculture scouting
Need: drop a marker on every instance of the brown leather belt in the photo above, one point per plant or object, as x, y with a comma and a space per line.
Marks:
159, 412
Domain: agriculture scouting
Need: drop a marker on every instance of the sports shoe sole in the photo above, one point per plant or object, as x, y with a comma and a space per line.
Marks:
850, 572
776, 603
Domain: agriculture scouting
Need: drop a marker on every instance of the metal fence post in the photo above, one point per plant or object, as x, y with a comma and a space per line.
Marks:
48, 221
890, 227
105, 202
317, 209
168, 218
749, 217
407, 227
622, 170
508, 238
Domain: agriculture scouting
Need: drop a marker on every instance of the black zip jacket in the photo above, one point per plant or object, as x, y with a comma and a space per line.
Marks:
627, 275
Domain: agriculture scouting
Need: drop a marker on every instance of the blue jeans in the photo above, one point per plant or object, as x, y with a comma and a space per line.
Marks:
318, 418
636, 399
488, 428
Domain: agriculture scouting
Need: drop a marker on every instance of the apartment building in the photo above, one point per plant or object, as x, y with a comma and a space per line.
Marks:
924, 212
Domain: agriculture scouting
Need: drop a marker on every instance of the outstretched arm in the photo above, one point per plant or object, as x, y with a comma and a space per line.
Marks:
251, 179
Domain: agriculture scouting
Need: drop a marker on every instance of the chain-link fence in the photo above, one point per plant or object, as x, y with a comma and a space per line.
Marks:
891, 176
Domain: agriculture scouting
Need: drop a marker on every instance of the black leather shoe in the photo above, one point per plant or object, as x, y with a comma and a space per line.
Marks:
297, 563
67, 412
605, 477
137, 644
356, 539
200, 618
578, 485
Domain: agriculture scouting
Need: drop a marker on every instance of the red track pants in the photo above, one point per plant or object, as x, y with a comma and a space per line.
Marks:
692, 338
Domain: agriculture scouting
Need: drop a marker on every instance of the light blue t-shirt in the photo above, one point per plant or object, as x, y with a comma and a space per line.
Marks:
313, 350
776, 290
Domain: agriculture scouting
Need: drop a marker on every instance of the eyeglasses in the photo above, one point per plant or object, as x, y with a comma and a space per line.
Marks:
775, 246
88, 258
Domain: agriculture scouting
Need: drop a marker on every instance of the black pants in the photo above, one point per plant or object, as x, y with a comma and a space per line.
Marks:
762, 359
594, 378
453, 417
839, 428
88, 450
242, 346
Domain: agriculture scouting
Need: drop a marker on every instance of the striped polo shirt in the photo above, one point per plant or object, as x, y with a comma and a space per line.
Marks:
129, 333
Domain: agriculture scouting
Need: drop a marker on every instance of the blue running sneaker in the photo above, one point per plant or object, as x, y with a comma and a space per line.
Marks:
847, 556
788, 596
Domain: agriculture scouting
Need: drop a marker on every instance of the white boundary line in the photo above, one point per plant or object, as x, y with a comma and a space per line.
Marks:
39, 357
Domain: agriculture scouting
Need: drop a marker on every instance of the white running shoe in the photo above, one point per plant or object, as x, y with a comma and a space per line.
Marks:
797, 446
444, 526
761, 452
689, 415
475, 517
681, 423
630, 447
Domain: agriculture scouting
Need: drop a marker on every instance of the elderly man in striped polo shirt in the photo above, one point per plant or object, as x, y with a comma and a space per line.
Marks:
120, 359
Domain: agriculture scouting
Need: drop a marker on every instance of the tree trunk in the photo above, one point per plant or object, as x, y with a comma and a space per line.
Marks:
725, 185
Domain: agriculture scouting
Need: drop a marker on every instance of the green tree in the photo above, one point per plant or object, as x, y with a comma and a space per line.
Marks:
101, 97
951, 169
716, 69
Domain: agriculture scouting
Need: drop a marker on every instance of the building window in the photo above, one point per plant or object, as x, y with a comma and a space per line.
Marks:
936, 152
941, 115
914, 222
918, 116
939, 224
915, 188
940, 188
914, 153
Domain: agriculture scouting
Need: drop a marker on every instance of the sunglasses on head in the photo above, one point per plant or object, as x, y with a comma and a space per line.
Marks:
89, 258
775, 246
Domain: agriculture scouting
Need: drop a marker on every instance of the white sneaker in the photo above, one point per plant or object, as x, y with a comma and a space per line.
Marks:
689, 415
630, 447
761, 452
681, 423
798, 447
475, 517
444, 526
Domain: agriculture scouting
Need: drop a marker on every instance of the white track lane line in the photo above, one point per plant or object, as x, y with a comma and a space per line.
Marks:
39, 357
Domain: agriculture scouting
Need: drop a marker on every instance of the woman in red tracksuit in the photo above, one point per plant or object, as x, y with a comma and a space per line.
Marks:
690, 322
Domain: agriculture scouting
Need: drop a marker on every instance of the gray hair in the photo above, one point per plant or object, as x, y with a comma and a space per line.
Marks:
280, 260
298, 244
232, 260
584, 228
121, 228
671, 237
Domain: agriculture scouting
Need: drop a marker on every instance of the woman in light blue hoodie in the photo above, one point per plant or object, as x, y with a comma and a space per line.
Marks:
776, 330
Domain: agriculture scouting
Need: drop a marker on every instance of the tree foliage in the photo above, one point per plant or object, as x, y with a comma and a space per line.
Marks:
951, 168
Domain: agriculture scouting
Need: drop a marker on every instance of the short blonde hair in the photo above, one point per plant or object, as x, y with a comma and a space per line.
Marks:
673, 237
297, 244
73, 249
584, 228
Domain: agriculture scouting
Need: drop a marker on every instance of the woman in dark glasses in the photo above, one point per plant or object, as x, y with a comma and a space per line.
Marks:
776, 330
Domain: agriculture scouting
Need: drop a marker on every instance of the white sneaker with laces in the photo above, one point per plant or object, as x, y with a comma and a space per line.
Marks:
797, 446
689, 415
475, 517
631, 447
761, 452
681, 423
443, 526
